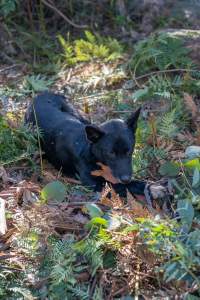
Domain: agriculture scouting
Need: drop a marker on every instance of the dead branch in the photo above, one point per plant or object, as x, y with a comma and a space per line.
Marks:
62, 15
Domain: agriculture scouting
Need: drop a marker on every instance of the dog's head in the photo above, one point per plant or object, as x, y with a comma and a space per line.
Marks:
113, 145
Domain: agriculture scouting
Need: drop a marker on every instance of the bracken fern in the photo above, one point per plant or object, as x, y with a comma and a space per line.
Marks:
91, 48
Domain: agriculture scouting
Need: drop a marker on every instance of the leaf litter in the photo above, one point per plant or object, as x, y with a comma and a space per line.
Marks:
22, 200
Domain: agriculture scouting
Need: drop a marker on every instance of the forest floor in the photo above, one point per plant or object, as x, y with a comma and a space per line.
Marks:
57, 241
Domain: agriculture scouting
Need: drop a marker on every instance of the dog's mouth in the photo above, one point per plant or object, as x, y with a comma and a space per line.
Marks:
107, 174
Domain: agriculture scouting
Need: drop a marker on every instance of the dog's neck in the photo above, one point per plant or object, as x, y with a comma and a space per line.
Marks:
88, 155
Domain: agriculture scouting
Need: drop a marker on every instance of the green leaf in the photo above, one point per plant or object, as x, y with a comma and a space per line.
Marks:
54, 190
97, 221
131, 228
196, 177
192, 164
169, 271
37, 83
170, 169
94, 210
90, 37
109, 260
186, 211
191, 297
140, 93
173, 275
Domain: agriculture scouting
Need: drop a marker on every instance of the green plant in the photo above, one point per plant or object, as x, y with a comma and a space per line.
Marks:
63, 268
184, 259
159, 52
91, 248
55, 191
91, 48
42, 55
36, 83
7, 7
168, 127
12, 285
15, 143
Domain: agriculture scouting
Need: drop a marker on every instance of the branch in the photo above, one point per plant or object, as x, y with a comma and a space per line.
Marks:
62, 15
165, 71
10, 67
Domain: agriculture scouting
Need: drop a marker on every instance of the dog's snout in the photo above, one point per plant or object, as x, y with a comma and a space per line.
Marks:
125, 179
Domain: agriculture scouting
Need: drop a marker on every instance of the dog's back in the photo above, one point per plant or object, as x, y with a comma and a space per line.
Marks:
49, 108
61, 126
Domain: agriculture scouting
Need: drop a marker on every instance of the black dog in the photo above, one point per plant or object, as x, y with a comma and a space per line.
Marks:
73, 144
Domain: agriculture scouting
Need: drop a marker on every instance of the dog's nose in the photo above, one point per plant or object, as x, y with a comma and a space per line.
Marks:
125, 179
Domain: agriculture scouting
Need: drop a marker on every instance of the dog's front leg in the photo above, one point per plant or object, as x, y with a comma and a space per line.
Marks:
134, 187
88, 180
151, 191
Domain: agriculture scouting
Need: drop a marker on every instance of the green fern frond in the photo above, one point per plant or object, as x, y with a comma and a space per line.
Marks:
160, 52
8, 6
90, 37
36, 83
91, 48
92, 251
98, 294
168, 127
80, 292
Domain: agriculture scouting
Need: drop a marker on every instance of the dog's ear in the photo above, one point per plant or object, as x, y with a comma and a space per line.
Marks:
93, 133
133, 119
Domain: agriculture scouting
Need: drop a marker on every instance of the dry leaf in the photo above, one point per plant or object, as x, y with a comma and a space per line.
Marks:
3, 225
177, 154
197, 137
80, 218
25, 193
114, 201
104, 197
4, 176
191, 105
146, 256
107, 202
83, 277
137, 207
86, 108
12, 124
29, 197
106, 173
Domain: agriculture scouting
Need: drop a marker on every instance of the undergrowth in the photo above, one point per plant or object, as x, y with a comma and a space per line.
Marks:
15, 143
70, 264
91, 48
159, 52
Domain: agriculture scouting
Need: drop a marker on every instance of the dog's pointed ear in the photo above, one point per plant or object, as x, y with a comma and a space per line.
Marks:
93, 133
133, 119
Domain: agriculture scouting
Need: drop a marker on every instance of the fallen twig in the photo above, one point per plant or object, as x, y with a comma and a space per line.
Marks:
164, 71
92, 288
72, 180
62, 15
9, 67
11, 269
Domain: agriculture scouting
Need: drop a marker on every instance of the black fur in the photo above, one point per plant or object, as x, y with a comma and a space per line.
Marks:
73, 144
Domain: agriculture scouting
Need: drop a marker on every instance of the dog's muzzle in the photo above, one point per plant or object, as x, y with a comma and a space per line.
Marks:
125, 179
